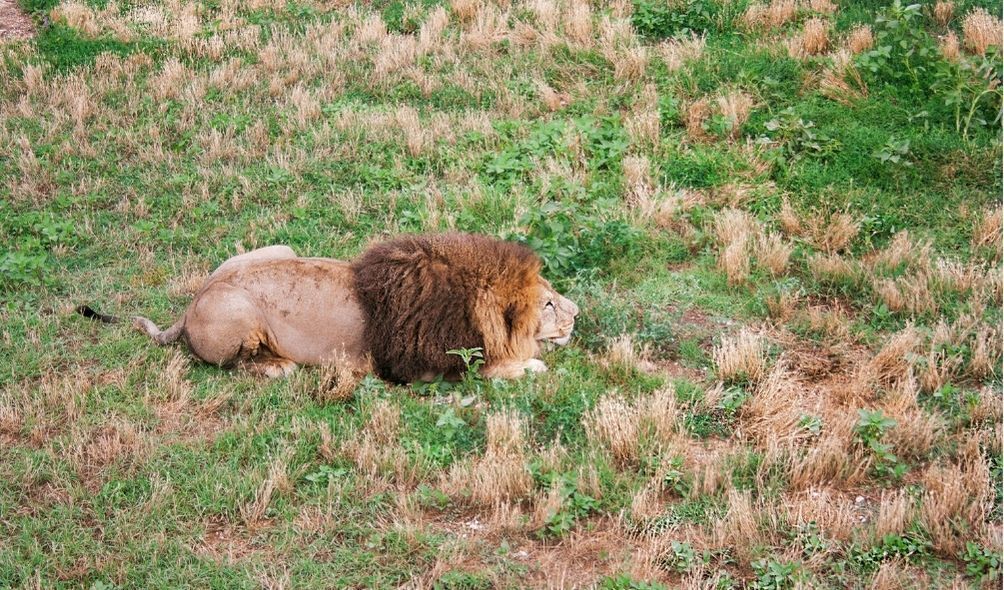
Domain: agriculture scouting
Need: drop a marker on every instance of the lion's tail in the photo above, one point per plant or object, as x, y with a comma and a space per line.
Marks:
159, 336
144, 325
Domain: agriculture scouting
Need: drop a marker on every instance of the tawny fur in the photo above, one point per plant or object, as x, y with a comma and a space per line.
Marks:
397, 309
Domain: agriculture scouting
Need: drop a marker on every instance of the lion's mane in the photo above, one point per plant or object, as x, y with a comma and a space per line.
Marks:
424, 295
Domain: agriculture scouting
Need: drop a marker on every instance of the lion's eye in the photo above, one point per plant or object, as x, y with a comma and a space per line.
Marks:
549, 304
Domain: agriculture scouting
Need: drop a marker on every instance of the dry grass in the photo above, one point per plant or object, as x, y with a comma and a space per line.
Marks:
902, 252
659, 411
773, 253
643, 124
577, 22
771, 16
860, 39
830, 510
614, 424
980, 30
895, 513
949, 47
502, 476
731, 225
734, 261
782, 304
741, 357
842, 81
814, 39
697, 113
735, 107
833, 233
831, 459
790, 221
949, 501
832, 268
911, 293
678, 52
896, 574
736, 231
987, 231
771, 416
944, 10
893, 364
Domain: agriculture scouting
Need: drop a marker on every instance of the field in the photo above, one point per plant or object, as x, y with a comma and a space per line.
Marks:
782, 223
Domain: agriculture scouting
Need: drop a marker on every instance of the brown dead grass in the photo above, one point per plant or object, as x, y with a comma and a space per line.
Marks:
832, 233
742, 356
735, 106
502, 476
770, 16
980, 30
773, 253
860, 39
987, 231
790, 221
832, 511
614, 424
944, 10
678, 52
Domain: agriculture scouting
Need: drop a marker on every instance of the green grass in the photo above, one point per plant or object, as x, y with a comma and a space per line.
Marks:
126, 465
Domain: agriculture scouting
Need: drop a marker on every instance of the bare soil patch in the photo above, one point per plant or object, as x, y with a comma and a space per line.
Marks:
14, 23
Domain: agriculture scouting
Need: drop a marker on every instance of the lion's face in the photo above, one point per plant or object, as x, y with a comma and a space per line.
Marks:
557, 316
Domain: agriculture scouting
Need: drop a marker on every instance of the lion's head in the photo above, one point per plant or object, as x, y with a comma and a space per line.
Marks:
424, 295
557, 315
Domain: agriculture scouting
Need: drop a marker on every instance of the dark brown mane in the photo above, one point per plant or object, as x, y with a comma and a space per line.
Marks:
424, 295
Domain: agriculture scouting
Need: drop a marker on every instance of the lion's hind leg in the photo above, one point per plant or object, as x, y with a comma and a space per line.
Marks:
513, 369
225, 327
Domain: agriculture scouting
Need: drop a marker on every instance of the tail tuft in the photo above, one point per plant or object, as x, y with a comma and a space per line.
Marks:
87, 312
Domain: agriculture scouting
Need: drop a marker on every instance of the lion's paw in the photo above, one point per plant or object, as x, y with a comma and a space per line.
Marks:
536, 366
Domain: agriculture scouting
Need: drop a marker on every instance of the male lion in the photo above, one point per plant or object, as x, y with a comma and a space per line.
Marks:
397, 309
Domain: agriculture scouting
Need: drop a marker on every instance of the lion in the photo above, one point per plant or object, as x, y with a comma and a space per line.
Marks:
395, 310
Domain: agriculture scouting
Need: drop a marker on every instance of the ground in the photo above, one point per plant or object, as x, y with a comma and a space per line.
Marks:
781, 221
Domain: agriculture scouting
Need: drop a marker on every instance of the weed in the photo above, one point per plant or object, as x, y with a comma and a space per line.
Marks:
776, 575
982, 563
625, 582
871, 429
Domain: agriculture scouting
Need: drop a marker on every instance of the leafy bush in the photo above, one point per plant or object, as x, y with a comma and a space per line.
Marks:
659, 20
776, 575
572, 239
871, 428
981, 563
625, 582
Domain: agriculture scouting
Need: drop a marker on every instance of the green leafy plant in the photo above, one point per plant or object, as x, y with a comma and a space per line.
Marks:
871, 428
792, 138
903, 54
681, 557
626, 582
659, 20
325, 474
908, 546
895, 152
574, 505
981, 563
971, 88
776, 575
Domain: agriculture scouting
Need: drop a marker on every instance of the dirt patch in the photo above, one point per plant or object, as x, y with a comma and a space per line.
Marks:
14, 23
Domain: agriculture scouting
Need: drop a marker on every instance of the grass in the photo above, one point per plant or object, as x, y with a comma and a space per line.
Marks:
783, 229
